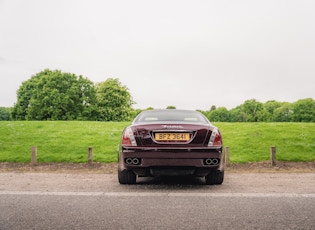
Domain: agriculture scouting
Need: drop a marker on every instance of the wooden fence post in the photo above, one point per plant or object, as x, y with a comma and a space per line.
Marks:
227, 156
273, 156
34, 155
90, 155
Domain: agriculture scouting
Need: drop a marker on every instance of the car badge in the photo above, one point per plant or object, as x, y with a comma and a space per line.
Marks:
172, 126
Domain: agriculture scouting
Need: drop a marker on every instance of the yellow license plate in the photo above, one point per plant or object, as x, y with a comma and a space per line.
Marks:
172, 136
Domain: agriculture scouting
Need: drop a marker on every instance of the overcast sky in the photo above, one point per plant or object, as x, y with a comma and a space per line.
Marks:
189, 54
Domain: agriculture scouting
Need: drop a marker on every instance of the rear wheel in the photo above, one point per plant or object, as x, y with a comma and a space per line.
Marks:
215, 177
127, 177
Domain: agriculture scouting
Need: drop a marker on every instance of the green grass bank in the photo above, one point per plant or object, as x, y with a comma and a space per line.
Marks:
68, 141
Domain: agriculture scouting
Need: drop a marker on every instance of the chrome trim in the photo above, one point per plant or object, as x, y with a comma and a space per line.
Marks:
172, 130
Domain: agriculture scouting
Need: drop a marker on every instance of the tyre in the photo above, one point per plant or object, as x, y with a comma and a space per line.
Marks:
127, 177
215, 177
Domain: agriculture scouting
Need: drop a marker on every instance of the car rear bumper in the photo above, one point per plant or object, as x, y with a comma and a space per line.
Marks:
179, 162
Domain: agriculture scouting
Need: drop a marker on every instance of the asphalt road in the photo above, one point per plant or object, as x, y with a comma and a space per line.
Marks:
97, 201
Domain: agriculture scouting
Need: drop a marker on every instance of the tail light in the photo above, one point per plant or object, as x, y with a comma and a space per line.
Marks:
128, 139
215, 138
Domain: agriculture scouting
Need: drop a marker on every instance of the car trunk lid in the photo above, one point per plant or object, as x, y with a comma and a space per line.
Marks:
163, 135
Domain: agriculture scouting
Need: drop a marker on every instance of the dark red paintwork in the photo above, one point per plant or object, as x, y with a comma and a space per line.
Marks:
141, 155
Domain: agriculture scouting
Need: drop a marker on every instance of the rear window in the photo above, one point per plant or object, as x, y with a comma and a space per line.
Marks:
170, 116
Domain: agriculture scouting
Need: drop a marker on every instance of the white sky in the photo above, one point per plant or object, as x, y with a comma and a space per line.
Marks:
189, 54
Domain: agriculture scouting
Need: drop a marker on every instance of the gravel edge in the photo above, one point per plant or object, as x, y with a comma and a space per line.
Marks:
111, 168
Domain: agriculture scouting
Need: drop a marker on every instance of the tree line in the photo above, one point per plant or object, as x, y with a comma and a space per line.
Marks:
252, 110
55, 95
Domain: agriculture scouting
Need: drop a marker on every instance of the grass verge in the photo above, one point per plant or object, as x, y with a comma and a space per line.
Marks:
68, 141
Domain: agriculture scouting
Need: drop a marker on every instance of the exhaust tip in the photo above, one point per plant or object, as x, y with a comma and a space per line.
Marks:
133, 161
211, 161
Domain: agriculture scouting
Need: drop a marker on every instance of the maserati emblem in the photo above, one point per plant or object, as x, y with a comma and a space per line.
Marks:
172, 126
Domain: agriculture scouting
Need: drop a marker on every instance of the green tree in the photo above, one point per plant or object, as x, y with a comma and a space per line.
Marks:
213, 107
219, 114
24, 95
54, 95
251, 109
235, 114
5, 114
303, 110
283, 113
114, 101
269, 110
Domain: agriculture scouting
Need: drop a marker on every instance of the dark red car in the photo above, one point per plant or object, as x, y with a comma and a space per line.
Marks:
171, 142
